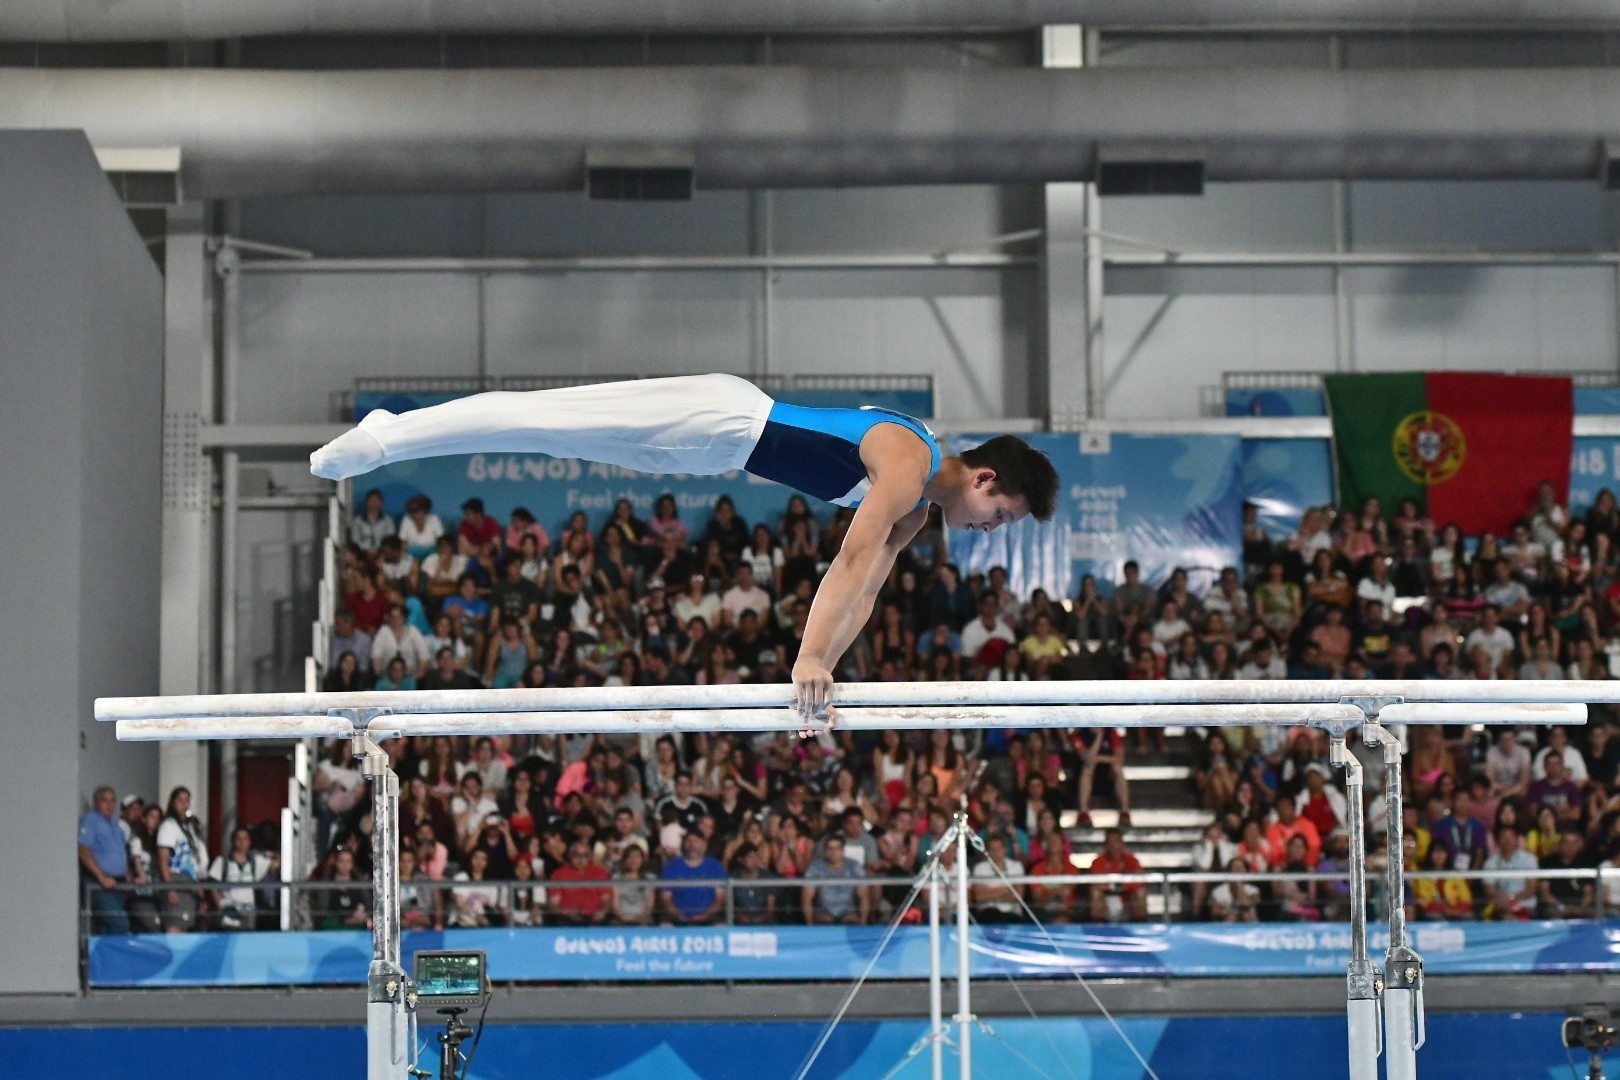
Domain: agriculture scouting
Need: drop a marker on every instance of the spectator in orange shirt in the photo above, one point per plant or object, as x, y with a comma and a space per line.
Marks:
1287, 826
1128, 901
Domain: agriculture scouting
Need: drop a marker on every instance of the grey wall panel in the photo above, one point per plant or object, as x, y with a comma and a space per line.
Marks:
365, 225
613, 323
41, 424
1485, 318
1215, 50
567, 223
120, 313
81, 318
1227, 217
950, 324
306, 336
919, 220
1503, 48
279, 570
916, 220
536, 223
1168, 333
1017, 49
1500, 215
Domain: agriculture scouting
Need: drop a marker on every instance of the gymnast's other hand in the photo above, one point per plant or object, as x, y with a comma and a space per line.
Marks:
812, 688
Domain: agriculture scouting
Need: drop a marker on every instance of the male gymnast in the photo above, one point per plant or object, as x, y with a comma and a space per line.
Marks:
886, 464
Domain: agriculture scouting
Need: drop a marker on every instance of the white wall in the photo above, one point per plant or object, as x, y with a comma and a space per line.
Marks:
1167, 332
305, 336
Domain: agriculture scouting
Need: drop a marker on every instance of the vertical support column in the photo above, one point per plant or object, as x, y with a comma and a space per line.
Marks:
964, 957
767, 299
1343, 346
1072, 269
184, 618
1403, 968
765, 209
230, 491
936, 987
387, 1037
1361, 981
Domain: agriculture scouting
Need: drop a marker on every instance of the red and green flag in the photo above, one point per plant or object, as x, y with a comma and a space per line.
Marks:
1469, 448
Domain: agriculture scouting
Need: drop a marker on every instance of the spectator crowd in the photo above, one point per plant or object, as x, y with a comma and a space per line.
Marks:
639, 828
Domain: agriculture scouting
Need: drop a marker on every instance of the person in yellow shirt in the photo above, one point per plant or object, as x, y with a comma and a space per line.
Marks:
1411, 826
1543, 839
1044, 647
1442, 898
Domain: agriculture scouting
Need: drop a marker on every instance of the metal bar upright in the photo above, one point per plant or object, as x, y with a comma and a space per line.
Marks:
964, 961
1403, 968
936, 988
1362, 982
387, 1037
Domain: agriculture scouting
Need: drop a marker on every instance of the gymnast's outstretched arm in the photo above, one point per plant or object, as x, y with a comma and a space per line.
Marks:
887, 520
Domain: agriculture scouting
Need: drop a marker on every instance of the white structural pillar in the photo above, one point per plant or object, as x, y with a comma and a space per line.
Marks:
964, 956
230, 498
184, 618
1071, 277
1362, 981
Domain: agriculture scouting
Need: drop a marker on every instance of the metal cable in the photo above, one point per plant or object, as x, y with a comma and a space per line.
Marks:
849, 998
996, 1035
917, 1048
1012, 982
1084, 985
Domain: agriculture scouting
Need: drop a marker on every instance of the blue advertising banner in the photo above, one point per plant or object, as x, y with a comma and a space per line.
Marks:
1597, 400
1285, 401
553, 488
799, 952
1595, 466
1166, 501
1285, 477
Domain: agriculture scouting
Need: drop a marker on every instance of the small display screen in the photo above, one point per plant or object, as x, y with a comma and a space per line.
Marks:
441, 975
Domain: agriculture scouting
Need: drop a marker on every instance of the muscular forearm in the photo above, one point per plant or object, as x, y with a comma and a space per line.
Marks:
844, 603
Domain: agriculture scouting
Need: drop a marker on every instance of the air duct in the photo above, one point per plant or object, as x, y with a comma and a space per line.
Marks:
244, 133
170, 20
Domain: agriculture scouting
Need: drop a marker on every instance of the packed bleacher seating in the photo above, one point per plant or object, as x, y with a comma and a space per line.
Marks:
519, 830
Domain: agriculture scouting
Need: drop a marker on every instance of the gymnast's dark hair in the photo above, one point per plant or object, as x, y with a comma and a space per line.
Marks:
1020, 470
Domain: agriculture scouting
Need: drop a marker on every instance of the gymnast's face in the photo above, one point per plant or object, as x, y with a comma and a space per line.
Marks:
980, 507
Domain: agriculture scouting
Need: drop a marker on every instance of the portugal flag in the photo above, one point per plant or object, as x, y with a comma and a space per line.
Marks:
1469, 448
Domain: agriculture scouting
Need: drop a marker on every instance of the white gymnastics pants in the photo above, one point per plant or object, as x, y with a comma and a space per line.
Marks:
700, 424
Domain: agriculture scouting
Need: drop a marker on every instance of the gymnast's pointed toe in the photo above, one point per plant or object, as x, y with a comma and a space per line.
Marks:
351, 454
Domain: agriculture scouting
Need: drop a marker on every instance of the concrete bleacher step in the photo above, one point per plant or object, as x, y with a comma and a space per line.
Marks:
1146, 819
1143, 774
1148, 836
